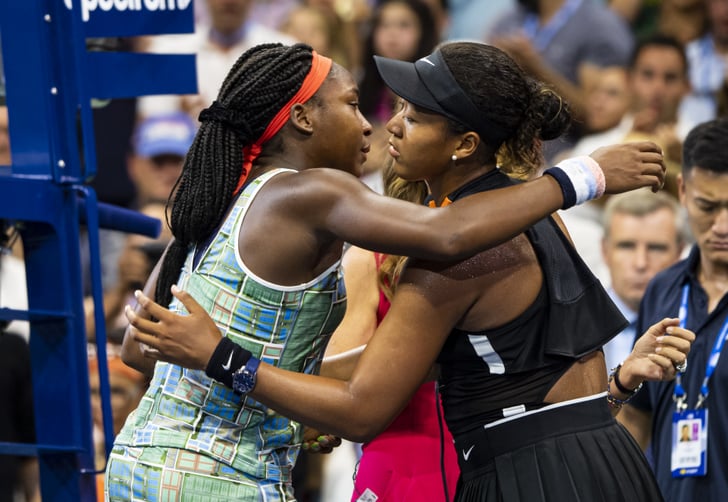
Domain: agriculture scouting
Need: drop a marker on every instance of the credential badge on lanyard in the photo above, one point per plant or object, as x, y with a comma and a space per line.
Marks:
690, 426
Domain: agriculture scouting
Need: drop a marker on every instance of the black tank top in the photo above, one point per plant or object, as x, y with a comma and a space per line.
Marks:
487, 375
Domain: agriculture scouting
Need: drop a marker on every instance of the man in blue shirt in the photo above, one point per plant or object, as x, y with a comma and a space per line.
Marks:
695, 289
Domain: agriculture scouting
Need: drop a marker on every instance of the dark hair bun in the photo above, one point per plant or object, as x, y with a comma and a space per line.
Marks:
551, 112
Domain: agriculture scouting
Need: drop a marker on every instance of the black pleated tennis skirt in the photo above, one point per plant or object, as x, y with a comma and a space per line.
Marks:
567, 452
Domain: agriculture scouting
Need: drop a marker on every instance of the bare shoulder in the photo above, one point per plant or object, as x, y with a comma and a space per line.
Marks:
487, 289
312, 190
286, 234
504, 259
322, 178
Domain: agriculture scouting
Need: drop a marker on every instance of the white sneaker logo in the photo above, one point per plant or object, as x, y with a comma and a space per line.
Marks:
226, 366
466, 454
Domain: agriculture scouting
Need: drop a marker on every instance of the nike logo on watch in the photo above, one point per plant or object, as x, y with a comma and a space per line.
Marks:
226, 366
466, 454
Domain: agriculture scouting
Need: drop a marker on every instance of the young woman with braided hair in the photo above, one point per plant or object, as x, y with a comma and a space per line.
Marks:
263, 207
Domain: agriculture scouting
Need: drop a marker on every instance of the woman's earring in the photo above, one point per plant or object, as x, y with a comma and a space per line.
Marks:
454, 157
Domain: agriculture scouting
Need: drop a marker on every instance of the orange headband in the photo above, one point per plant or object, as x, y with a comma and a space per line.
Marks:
320, 67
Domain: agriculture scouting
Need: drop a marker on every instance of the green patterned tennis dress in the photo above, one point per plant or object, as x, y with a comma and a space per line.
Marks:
192, 438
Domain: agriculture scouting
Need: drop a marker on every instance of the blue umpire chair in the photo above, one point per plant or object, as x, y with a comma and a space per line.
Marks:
51, 77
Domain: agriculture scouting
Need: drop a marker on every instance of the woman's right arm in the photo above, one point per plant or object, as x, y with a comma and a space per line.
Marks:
343, 207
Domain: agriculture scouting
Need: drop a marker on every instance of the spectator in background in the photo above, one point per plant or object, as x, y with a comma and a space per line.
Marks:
644, 233
473, 19
658, 82
159, 146
13, 292
403, 30
2, 79
682, 19
708, 64
319, 28
217, 45
563, 42
113, 126
400, 29
351, 18
696, 289
272, 13
606, 120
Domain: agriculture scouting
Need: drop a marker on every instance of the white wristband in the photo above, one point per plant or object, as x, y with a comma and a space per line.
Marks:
581, 179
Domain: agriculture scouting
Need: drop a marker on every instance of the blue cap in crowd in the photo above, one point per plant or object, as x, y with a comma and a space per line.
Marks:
164, 135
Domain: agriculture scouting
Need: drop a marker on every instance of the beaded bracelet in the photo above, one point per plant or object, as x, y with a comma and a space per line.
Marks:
615, 402
622, 388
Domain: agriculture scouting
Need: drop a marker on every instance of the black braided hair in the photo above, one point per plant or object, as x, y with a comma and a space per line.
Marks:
258, 85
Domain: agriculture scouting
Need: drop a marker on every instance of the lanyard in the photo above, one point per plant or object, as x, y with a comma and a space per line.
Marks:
541, 36
707, 54
679, 396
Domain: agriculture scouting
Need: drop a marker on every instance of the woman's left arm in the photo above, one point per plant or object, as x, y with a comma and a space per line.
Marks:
656, 356
391, 368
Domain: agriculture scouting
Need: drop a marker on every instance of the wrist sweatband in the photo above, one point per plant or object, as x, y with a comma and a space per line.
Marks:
226, 360
580, 179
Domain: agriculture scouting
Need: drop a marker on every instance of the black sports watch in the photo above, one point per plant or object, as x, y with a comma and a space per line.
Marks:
245, 377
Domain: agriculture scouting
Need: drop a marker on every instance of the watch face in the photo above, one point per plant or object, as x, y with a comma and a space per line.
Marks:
244, 379
243, 382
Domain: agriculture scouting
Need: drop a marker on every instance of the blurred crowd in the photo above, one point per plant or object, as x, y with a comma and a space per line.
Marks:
628, 69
